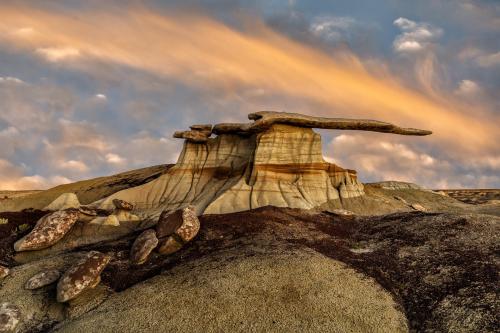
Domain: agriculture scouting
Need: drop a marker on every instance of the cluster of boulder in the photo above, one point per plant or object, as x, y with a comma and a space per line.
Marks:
172, 232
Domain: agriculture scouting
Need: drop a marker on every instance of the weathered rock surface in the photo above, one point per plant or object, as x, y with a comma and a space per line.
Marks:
143, 245
174, 229
64, 201
48, 230
249, 289
264, 120
122, 204
85, 274
9, 317
4, 271
282, 166
197, 134
42, 279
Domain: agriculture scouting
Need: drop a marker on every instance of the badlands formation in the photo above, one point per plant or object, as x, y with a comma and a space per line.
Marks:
250, 231
275, 160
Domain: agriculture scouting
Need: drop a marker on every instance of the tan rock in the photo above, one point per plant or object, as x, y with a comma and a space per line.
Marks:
48, 230
341, 212
64, 201
10, 316
4, 271
142, 247
418, 207
111, 220
42, 279
84, 274
122, 204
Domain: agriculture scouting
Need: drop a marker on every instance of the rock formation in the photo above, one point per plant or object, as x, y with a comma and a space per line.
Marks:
4, 271
48, 231
83, 275
42, 279
275, 160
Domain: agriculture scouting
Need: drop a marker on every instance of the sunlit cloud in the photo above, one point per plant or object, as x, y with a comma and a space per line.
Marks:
55, 54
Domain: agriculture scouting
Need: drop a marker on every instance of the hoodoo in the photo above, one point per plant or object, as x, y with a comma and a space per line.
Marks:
274, 160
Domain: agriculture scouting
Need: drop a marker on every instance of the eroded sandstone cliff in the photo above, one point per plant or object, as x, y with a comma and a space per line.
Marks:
282, 166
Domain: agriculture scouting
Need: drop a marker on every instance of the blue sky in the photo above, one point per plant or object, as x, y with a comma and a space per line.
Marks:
88, 89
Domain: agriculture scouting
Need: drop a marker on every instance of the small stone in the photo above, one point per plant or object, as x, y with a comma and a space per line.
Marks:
81, 276
341, 212
190, 226
87, 211
142, 247
10, 315
42, 279
418, 207
122, 204
48, 230
106, 220
4, 271
170, 245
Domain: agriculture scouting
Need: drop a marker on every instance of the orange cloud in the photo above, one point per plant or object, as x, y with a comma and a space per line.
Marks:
201, 51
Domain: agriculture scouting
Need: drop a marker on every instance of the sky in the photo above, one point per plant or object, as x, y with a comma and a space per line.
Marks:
92, 88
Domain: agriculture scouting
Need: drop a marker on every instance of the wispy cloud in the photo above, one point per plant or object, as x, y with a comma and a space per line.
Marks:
415, 36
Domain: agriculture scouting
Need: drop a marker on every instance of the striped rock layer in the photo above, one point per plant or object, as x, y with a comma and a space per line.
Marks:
281, 166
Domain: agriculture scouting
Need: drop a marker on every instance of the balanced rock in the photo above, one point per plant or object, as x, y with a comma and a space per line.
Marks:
275, 160
42, 279
4, 271
83, 275
48, 230
64, 201
10, 315
122, 204
142, 247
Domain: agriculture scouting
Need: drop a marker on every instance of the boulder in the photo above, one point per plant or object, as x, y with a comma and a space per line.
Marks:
48, 230
64, 201
122, 204
4, 271
42, 279
142, 247
9, 317
83, 275
174, 229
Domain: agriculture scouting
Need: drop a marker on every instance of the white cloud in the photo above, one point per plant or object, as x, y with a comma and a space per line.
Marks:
338, 28
74, 165
101, 97
56, 54
415, 36
114, 158
10, 79
489, 60
468, 88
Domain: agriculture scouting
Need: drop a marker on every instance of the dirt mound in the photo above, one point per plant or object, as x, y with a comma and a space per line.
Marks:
87, 191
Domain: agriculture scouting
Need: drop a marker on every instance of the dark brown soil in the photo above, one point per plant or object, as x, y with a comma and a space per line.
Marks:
19, 224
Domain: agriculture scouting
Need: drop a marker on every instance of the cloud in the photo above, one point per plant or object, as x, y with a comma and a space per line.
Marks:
101, 97
12, 80
331, 27
386, 158
480, 57
114, 158
468, 88
415, 36
12, 177
56, 54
